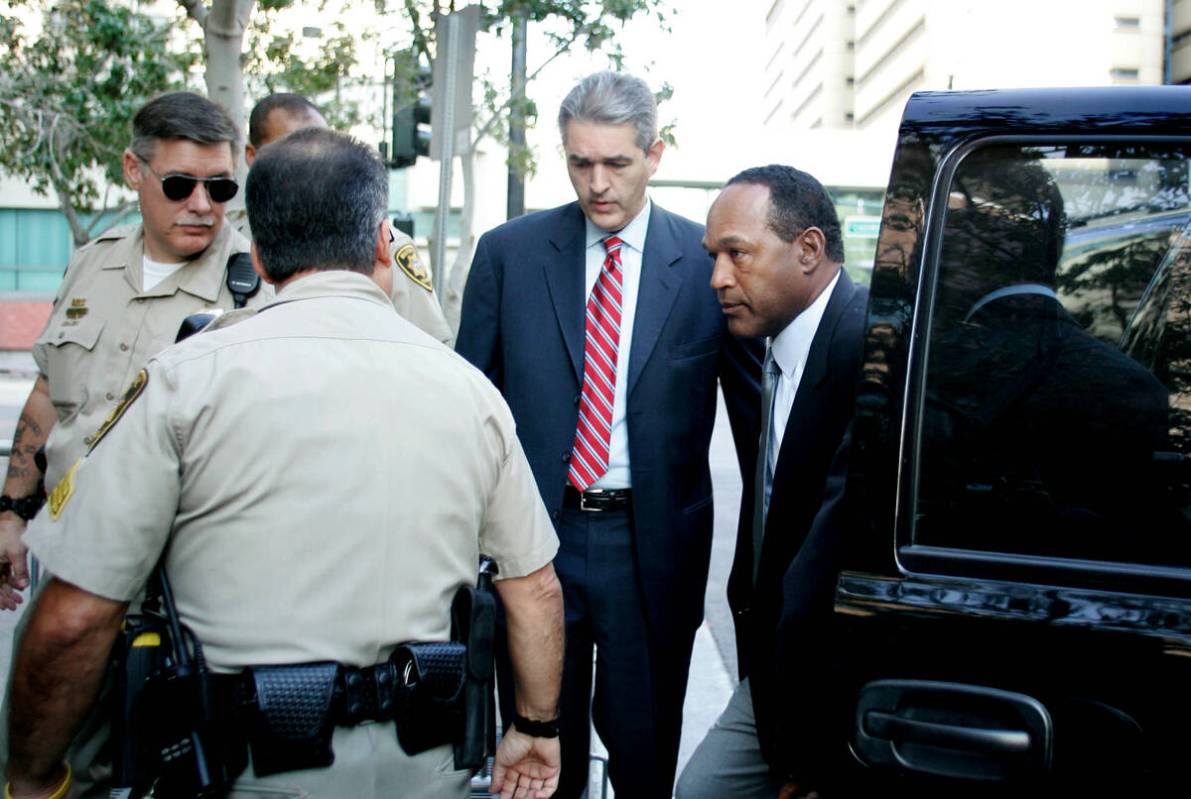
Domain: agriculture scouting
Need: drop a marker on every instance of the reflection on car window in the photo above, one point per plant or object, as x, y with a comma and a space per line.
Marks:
1058, 376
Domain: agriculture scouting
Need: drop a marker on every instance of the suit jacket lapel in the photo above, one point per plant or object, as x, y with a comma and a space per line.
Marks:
655, 293
564, 279
806, 400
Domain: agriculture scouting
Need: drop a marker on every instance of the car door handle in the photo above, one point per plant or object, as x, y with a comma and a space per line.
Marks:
899, 729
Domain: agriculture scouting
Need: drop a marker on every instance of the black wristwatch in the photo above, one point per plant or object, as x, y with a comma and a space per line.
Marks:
536, 729
25, 507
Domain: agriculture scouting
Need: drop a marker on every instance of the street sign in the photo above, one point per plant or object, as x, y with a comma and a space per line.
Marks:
454, 73
861, 227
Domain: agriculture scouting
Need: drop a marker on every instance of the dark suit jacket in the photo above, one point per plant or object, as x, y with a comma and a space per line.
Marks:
821, 412
523, 325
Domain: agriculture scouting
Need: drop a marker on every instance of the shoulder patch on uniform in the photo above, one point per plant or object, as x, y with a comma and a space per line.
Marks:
62, 492
134, 390
407, 258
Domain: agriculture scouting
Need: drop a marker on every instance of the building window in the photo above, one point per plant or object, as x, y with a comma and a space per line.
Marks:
1128, 23
1124, 73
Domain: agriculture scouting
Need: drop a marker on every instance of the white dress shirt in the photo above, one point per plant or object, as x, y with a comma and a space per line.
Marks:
631, 253
791, 348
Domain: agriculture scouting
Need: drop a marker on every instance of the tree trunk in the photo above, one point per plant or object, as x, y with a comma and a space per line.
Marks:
223, 41
78, 234
453, 302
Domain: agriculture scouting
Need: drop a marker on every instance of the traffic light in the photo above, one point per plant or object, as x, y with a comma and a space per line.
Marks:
411, 110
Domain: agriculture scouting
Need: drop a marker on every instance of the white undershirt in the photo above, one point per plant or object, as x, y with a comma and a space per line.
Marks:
153, 272
631, 252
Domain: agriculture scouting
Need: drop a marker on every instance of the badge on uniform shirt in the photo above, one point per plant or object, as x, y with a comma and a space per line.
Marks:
78, 308
407, 259
62, 492
134, 391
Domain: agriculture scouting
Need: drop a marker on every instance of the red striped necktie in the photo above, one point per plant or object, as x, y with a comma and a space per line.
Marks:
593, 438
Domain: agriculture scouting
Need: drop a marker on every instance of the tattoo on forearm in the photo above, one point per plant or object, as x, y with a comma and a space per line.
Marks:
26, 440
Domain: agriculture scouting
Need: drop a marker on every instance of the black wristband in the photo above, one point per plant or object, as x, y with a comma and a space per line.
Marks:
536, 729
25, 507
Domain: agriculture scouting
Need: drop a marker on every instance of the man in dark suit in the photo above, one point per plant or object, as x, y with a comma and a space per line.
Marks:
615, 407
775, 237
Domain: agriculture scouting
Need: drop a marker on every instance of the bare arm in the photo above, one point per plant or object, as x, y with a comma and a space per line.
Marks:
534, 607
527, 766
33, 429
59, 665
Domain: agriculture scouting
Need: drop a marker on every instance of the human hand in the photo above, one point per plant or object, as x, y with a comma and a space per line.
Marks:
525, 767
14, 569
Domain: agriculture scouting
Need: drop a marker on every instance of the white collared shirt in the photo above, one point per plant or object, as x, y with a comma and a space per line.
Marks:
791, 348
631, 253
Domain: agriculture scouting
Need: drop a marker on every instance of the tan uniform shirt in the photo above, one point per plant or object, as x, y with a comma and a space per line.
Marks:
413, 290
325, 476
103, 328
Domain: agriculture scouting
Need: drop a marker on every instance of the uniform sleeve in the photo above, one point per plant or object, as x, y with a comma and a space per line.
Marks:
108, 520
517, 532
413, 293
419, 306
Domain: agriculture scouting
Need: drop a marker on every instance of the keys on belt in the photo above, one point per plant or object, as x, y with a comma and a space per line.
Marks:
597, 500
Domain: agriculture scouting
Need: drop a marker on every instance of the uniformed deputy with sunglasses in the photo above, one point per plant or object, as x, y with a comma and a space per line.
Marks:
123, 298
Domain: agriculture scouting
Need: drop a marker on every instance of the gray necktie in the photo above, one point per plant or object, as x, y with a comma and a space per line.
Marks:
761, 485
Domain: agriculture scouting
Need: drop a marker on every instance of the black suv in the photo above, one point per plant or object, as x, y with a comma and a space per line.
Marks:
1013, 614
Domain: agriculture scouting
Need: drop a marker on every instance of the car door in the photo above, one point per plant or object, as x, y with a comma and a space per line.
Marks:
1014, 611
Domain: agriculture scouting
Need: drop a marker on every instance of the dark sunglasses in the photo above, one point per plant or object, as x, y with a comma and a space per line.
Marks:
179, 187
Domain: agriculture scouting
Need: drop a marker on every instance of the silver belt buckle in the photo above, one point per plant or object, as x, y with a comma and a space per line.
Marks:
583, 501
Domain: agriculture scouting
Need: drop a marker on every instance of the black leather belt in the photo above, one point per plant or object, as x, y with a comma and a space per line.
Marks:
597, 500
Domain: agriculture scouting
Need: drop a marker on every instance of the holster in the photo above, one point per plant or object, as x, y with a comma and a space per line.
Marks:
431, 676
292, 726
140, 651
473, 624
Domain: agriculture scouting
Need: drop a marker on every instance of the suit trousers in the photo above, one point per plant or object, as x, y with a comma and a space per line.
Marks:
728, 760
604, 611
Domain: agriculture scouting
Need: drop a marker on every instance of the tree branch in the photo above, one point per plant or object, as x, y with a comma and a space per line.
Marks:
196, 11
420, 40
486, 128
77, 233
121, 212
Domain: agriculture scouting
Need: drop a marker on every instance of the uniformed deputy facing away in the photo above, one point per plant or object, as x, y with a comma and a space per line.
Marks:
123, 298
321, 478
279, 115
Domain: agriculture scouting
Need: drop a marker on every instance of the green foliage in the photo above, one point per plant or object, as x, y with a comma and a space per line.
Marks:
567, 24
321, 69
69, 92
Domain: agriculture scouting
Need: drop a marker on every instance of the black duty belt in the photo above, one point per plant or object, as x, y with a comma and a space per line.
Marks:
598, 499
288, 712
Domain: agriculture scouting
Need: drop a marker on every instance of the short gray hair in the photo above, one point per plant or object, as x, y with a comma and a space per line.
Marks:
612, 98
180, 115
315, 201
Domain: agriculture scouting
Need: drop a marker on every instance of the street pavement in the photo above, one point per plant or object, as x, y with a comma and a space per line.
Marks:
713, 665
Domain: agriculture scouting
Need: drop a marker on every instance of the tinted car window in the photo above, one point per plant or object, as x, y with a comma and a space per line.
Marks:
1054, 419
